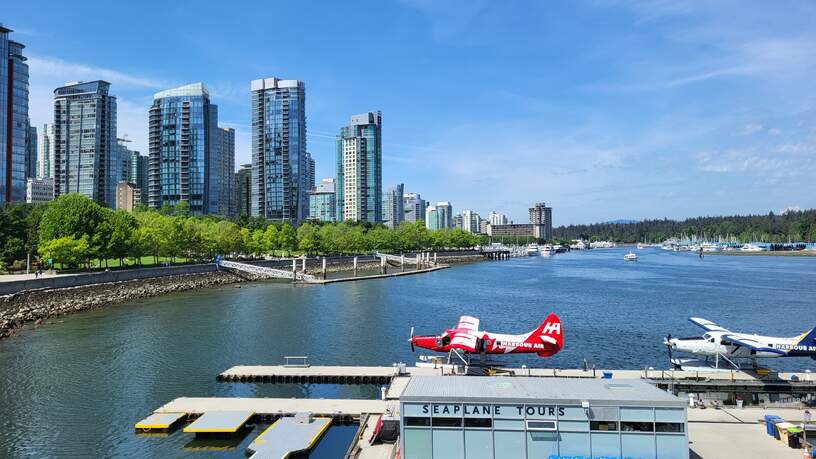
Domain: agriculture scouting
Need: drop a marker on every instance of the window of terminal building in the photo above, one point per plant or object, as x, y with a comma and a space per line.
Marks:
603, 426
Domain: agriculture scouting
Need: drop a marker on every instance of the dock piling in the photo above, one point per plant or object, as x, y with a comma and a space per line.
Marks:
324, 268
355, 266
402, 262
294, 270
304, 265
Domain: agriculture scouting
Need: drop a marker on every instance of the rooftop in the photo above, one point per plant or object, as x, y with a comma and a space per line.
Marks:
189, 90
498, 389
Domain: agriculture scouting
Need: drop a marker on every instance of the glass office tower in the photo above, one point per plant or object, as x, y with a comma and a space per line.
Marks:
359, 169
279, 181
13, 119
45, 152
184, 149
393, 206
85, 141
138, 174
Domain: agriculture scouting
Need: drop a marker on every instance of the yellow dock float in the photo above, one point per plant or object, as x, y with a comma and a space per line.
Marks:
289, 435
219, 422
159, 422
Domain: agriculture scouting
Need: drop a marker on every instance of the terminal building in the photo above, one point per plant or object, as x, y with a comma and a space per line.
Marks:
553, 418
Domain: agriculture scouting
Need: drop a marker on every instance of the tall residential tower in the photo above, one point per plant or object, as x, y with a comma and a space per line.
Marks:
359, 169
279, 162
13, 119
184, 149
84, 148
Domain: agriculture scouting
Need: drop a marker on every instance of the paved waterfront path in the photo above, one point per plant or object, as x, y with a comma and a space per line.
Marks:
738, 433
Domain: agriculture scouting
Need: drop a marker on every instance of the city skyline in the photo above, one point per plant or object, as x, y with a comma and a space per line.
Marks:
595, 119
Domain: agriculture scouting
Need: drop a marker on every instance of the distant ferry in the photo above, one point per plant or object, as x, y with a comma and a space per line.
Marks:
546, 250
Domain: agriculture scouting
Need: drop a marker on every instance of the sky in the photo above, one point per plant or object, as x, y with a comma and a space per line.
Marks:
603, 109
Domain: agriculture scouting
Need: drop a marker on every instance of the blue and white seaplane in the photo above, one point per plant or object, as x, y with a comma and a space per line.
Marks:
730, 347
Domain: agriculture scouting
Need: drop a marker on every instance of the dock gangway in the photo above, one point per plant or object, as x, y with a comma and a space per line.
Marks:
264, 272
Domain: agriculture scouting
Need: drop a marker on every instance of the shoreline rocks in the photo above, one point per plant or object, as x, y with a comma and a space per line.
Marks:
34, 306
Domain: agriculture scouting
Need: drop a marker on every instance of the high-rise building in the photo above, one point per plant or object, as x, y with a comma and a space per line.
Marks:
393, 207
13, 119
322, 204
458, 222
31, 151
138, 174
183, 164
39, 190
226, 168
243, 191
470, 221
431, 218
279, 183
310, 171
128, 196
359, 169
541, 216
122, 160
45, 152
496, 218
85, 141
414, 207
444, 210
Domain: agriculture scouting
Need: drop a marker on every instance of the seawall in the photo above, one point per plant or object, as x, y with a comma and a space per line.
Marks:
35, 306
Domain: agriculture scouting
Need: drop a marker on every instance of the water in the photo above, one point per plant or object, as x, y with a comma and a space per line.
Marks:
75, 387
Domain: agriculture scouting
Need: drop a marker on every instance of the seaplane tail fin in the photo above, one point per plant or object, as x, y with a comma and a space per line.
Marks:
551, 333
807, 338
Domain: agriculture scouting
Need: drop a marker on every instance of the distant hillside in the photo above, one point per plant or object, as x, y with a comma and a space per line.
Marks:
623, 221
793, 225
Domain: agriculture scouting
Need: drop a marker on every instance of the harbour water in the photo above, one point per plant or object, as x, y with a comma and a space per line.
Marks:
75, 387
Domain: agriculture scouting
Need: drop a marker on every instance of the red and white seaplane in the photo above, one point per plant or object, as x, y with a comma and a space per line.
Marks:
466, 338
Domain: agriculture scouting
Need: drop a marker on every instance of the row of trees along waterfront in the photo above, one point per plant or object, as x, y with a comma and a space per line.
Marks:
796, 226
74, 231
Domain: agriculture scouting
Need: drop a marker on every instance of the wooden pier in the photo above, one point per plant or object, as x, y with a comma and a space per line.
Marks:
283, 374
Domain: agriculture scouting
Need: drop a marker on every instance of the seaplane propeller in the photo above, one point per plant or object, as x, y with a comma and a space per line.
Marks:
412, 339
669, 347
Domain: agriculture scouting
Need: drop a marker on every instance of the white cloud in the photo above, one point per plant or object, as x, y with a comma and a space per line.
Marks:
751, 128
46, 67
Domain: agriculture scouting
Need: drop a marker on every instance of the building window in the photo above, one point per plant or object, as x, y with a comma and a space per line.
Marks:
603, 426
541, 425
637, 427
673, 427
417, 422
479, 422
447, 422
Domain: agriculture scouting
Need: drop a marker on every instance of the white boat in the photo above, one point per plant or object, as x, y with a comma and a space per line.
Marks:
711, 247
532, 250
631, 256
641, 245
546, 250
752, 248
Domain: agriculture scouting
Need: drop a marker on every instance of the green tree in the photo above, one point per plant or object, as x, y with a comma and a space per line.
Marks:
118, 226
287, 238
67, 250
70, 215
308, 236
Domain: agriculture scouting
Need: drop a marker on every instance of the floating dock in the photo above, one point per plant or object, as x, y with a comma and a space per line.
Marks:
219, 421
270, 408
288, 436
160, 422
319, 374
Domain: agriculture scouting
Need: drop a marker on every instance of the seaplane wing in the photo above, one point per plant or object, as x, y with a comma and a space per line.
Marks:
750, 343
464, 341
708, 325
468, 323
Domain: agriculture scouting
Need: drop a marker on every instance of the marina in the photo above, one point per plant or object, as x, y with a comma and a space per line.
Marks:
363, 330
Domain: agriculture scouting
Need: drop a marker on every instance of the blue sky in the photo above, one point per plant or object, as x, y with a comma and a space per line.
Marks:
604, 109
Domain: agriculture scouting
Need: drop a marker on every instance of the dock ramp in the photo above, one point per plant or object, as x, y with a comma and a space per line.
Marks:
264, 272
288, 435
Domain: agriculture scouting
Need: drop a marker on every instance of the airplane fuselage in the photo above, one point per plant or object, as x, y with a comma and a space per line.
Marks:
487, 343
718, 343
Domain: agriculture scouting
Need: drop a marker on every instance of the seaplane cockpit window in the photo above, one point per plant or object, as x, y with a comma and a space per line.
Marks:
706, 337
